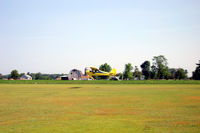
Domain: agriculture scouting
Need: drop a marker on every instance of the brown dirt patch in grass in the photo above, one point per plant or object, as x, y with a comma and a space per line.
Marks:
16, 117
115, 100
107, 112
63, 101
193, 97
102, 111
183, 123
164, 104
130, 111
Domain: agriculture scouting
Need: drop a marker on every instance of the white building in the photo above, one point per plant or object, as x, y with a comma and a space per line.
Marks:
26, 77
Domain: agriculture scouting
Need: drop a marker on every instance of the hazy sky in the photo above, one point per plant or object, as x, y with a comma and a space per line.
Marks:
56, 36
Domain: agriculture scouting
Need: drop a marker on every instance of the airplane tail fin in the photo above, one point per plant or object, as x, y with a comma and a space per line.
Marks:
113, 72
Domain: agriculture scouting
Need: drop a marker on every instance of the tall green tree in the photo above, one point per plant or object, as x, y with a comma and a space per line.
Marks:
0, 76
14, 74
105, 67
196, 73
146, 69
160, 62
172, 72
153, 74
33, 75
38, 76
137, 74
180, 74
127, 72
186, 73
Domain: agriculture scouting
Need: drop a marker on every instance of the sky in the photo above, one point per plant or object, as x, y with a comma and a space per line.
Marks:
55, 36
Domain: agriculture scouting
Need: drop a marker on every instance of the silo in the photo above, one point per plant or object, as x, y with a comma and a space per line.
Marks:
75, 74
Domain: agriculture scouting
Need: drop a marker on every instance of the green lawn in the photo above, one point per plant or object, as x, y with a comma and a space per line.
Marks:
99, 82
91, 108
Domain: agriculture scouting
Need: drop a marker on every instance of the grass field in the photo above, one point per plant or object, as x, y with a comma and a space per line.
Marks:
94, 108
99, 82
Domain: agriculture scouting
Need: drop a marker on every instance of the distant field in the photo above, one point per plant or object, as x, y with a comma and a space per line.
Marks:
85, 108
99, 82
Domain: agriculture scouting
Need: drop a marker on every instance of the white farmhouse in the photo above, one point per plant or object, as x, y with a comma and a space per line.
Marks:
26, 77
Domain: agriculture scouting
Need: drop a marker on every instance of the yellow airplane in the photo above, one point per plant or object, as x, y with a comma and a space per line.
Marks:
92, 71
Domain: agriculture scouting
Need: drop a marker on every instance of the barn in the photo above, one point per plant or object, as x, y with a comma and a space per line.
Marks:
25, 77
64, 77
75, 74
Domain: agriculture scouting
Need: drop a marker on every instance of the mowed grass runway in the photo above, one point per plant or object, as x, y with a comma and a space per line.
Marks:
99, 108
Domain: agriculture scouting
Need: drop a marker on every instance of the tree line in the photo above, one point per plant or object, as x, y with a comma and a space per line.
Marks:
158, 70
35, 76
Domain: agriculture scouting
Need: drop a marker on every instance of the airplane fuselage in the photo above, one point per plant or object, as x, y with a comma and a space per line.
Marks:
97, 73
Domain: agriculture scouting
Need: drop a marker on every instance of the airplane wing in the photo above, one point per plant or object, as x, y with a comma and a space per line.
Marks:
94, 68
